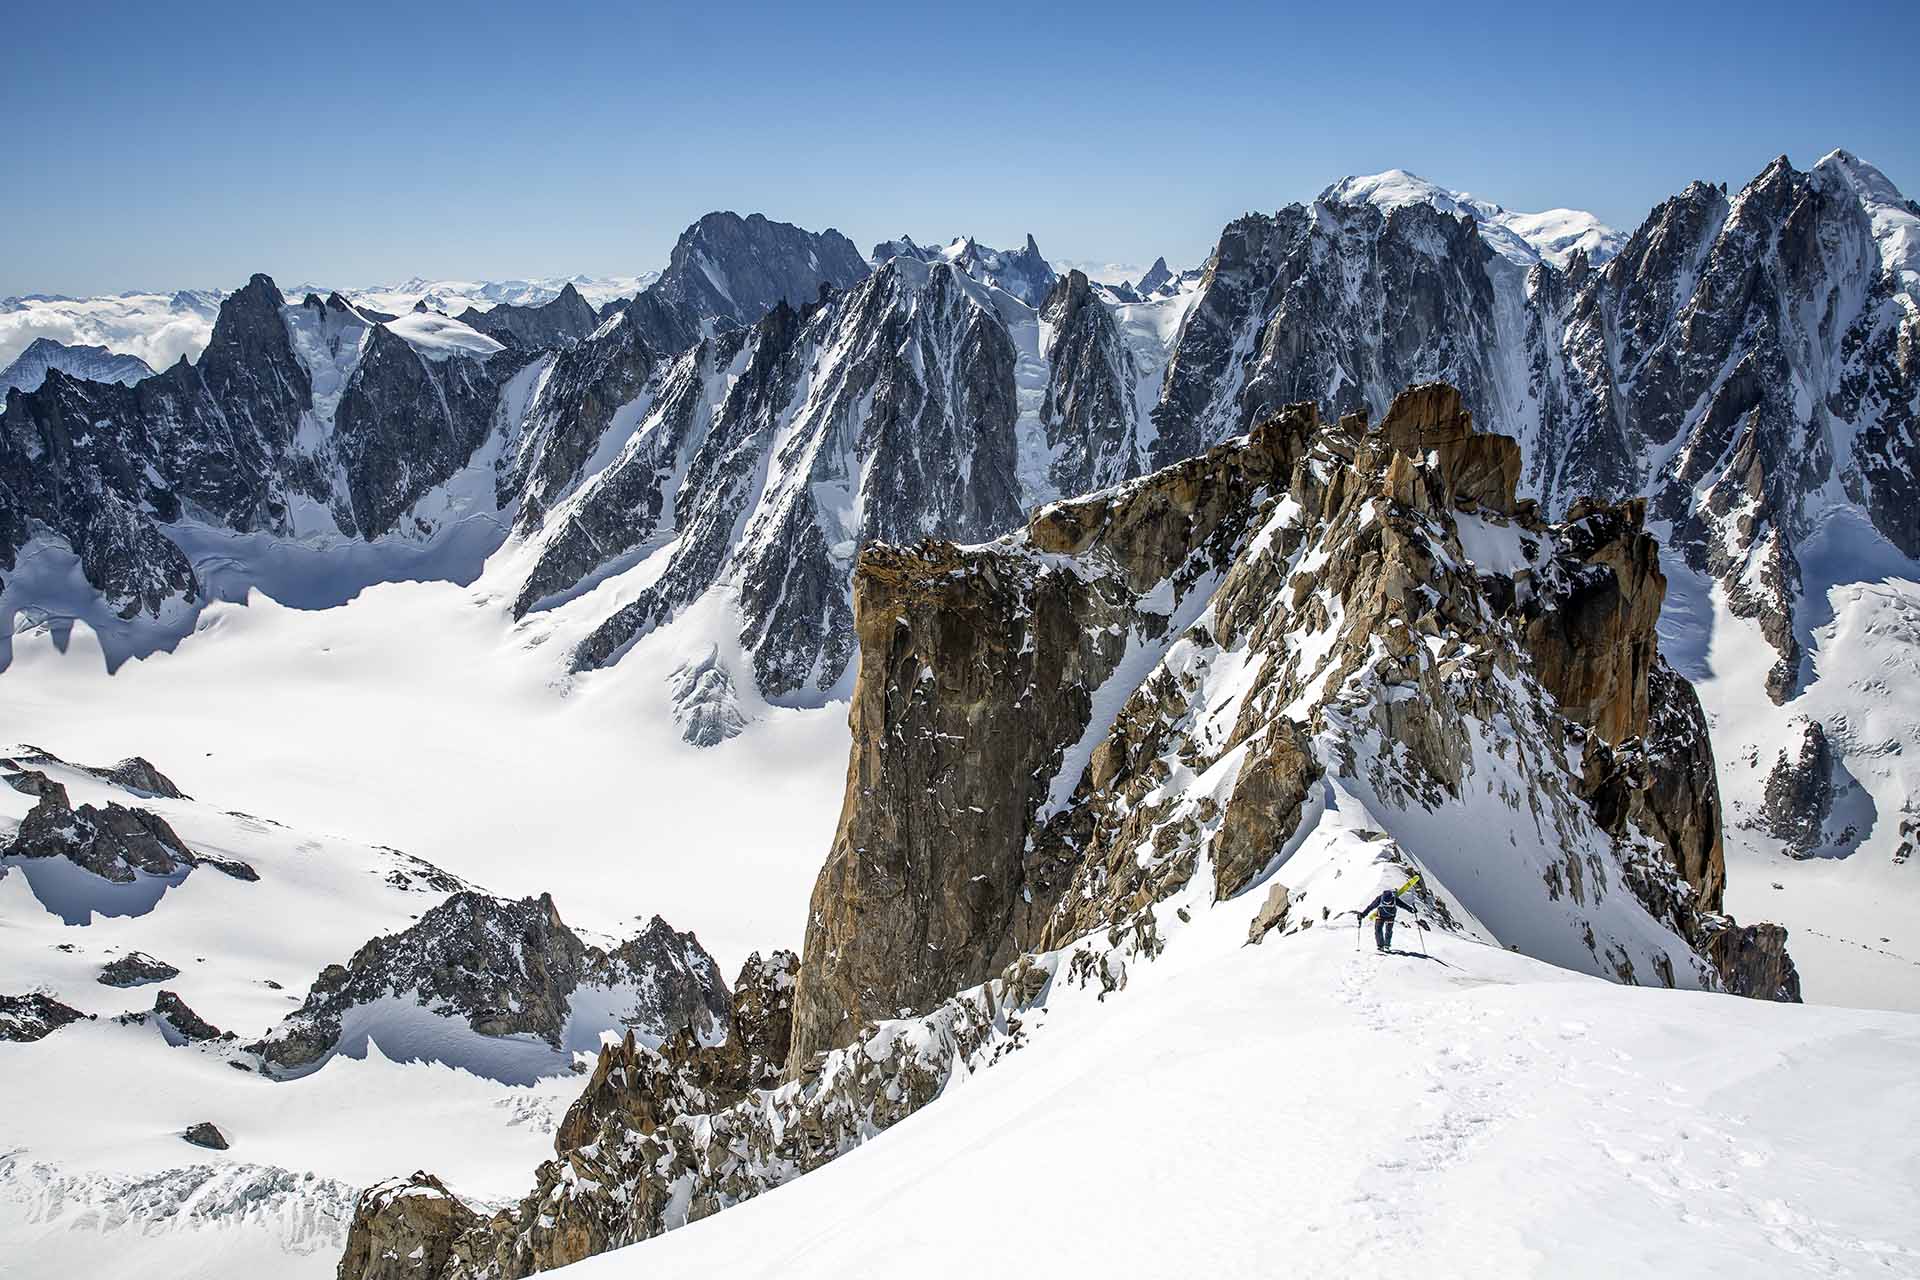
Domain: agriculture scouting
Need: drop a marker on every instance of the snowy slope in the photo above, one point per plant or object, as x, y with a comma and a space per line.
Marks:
1850, 901
96, 1165
438, 337
419, 715
1330, 1111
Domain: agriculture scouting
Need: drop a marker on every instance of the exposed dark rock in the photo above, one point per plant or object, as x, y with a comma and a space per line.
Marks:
560, 322
206, 1134
32, 782
1753, 961
404, 1229
1088, 413
1157, 277
136, 774
1799, 795
406, 423
113, 842
505, 968
34, 1017
182, 1025
134, 969
738, 269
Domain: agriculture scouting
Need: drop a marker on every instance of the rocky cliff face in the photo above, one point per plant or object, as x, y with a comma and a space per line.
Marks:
561, 322
1090, 414
736, 269
1058, 729
1799, 795
507, 969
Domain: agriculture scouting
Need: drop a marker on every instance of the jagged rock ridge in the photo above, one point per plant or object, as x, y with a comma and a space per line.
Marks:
507, 970
1021, 272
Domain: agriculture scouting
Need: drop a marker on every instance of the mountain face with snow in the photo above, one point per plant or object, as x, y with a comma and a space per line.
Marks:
1524, 238
94, 364
303, 419
1743, 362
559, 323
1021, 272
319, 424
514, 973
736, 269
776, 452
1299, 666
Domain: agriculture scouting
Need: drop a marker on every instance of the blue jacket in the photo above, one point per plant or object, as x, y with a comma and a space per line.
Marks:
1386, 904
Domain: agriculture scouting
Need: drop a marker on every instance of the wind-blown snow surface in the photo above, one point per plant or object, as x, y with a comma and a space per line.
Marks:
1314, 1109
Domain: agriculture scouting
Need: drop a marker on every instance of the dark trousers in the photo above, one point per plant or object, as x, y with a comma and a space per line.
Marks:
1382, 930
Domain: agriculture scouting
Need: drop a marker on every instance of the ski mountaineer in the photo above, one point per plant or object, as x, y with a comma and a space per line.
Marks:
1382, 910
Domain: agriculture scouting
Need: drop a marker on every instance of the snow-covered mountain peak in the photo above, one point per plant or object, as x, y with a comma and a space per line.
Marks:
1552, 235
1023, 272
94, 363
1895, 219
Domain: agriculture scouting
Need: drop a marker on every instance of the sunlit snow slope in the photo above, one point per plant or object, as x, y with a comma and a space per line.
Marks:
419, 716
1310, 1108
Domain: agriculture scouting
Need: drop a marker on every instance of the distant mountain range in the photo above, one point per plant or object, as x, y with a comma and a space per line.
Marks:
95, 364
159, 328
771, 402
1567, 579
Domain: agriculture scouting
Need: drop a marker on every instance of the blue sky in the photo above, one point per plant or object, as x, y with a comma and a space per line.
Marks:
159, 146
